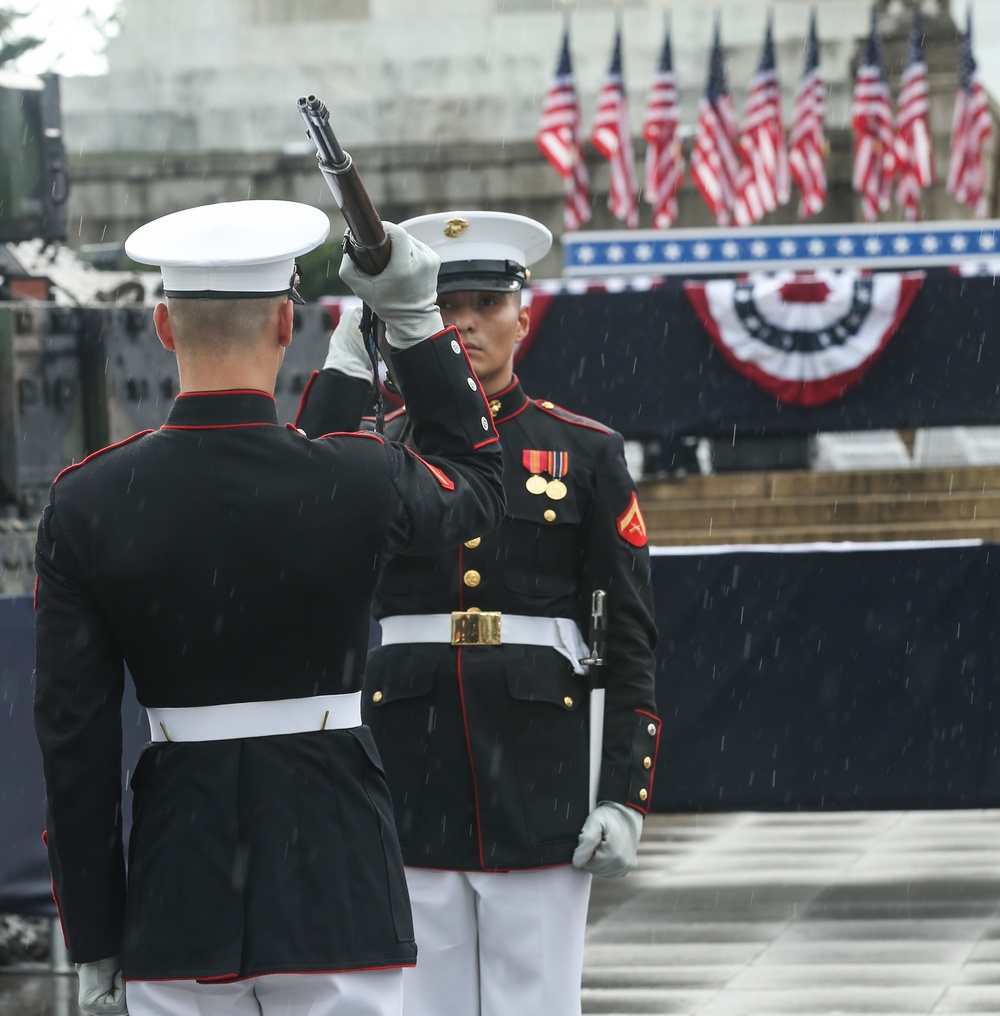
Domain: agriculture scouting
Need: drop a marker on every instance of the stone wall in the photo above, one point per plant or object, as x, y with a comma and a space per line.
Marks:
438, 102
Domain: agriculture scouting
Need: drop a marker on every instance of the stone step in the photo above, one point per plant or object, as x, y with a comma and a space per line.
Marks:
828, 510
801, 483
861, 533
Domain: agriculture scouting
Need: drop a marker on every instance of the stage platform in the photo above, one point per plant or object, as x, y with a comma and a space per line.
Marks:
772, 915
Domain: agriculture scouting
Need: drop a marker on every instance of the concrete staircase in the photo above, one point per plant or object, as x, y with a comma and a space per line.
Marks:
804, 507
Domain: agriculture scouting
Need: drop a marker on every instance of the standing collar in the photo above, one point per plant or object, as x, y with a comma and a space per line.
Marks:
508, 402
237, 407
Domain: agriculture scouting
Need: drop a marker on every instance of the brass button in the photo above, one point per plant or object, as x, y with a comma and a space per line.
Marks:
377, 697
474, 542
547, 405
651, 730
472, 578
643, 794
568, 702
647, 763
550, 515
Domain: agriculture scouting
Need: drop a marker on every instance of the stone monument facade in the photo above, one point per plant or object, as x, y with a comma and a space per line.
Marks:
437, 101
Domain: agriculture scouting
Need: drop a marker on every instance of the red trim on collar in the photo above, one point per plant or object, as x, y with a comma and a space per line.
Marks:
227, 391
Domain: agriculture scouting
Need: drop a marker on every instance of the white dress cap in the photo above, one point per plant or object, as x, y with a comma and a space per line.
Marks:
231, 248
481, 250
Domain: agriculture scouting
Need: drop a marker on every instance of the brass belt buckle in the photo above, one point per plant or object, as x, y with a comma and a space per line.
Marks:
475, 627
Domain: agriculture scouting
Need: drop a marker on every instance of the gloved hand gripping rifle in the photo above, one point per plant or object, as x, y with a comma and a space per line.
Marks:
365, 240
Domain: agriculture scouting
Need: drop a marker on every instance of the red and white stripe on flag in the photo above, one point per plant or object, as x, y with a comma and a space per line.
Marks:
664, 157
913, 141
714, 163
874, 144
558, 138
806, 142
612, 137
804, 338
874, 138
971, 127
763, 182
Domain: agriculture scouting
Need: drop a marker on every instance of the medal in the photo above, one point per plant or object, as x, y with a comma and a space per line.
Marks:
536, 484
555, 489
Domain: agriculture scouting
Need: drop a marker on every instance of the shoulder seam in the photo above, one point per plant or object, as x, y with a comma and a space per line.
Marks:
100, 451
569, 417
352, 433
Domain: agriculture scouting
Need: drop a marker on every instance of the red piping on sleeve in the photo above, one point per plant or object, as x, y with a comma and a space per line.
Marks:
304, 396
437, 473
656, 752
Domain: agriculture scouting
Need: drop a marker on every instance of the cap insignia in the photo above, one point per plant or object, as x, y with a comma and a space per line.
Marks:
455, 227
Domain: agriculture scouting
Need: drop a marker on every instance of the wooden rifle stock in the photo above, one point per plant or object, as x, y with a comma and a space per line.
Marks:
366, 241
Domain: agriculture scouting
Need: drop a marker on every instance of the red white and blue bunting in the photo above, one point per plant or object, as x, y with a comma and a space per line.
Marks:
804, 338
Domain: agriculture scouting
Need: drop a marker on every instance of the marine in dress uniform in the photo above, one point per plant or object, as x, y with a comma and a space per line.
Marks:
477, 698
228, 562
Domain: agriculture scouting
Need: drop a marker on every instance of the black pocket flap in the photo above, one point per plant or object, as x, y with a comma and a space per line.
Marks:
545, 676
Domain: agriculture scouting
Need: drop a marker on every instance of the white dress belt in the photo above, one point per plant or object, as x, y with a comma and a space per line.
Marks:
559, 633
255, 719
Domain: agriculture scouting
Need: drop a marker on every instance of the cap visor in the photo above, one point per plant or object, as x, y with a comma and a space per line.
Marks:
477, 281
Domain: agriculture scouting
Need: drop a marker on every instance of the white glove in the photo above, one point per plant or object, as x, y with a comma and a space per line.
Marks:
609, 840
404, 293
101, 989
347, 351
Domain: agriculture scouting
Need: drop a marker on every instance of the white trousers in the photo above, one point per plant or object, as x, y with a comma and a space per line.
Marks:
504, 944
361, 993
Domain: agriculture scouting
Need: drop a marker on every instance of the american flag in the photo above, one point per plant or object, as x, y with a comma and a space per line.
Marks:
806, 143
612, 137
913, 139
661, 129
874, 141
763, 182
969, 130
713, 159
558, 138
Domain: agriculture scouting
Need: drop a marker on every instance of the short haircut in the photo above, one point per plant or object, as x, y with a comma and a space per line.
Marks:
221, 323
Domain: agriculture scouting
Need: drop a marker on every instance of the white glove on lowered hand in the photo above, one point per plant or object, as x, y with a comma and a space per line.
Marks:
347, 351
101, 989
404, 293
609, 840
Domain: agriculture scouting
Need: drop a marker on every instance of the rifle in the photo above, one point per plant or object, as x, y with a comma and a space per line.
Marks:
365, 241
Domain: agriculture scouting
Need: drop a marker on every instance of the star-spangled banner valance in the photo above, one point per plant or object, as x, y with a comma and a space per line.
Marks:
715, 251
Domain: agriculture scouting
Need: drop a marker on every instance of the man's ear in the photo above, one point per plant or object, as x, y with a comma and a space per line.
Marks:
164, 330
286, 317
523, 321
